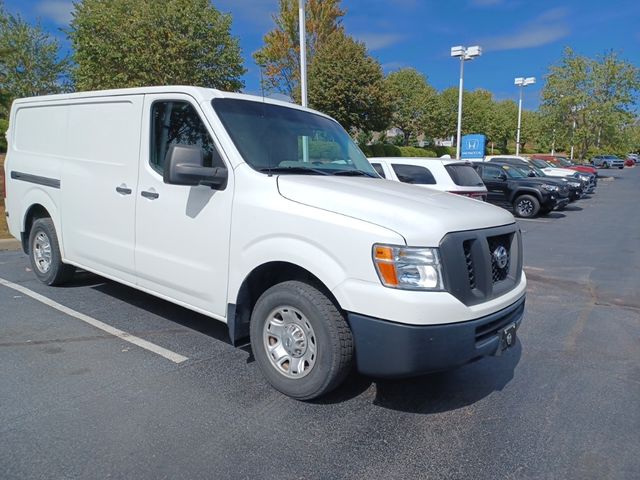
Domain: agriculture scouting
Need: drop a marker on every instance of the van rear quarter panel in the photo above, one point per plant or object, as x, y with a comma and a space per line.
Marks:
37, 138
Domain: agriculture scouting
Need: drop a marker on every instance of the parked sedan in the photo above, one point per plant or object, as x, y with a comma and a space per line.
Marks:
446, 175
607, 161
564, 162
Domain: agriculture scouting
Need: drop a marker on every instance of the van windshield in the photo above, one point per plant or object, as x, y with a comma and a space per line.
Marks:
277, 139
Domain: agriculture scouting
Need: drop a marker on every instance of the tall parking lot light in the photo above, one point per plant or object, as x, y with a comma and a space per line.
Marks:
465, 53
521, 82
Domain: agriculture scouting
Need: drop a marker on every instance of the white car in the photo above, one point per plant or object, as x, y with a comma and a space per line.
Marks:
265, 216
548, 169
453, 176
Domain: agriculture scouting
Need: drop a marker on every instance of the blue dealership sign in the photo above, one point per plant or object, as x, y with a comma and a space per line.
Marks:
472, 146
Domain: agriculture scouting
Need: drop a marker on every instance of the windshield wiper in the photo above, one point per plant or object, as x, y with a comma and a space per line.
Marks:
303, 170
354, 173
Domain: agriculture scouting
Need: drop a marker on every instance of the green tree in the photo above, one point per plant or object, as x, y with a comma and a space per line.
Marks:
588, 102
128, 43
346, 83
29, 64
414, 103
280, 55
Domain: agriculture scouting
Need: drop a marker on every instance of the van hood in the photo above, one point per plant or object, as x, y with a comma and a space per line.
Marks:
421, 215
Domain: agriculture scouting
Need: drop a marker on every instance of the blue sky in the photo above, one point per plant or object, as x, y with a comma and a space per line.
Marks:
519, 37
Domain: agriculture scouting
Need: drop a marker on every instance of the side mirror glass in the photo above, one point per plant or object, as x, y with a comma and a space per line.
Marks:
183, 166
532, 173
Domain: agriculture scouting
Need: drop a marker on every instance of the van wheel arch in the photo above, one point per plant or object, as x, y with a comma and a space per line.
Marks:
34, 212
255, 284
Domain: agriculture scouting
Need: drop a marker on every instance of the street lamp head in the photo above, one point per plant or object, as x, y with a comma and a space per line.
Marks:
518, 81
458, 51
474, 51
529, 81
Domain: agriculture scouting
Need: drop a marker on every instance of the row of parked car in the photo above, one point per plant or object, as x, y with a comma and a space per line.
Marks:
528, 186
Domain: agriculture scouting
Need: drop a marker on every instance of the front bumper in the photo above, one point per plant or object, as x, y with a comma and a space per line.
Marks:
387, 349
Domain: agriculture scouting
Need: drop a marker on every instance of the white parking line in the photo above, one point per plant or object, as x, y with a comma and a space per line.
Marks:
532, 220
152, 347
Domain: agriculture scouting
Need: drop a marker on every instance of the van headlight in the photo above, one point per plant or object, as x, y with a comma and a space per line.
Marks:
408, 268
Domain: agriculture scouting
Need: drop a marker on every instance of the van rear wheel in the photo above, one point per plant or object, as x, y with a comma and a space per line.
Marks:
44, 253
300, 340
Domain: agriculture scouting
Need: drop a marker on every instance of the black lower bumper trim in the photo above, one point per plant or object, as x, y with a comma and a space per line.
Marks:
388, 349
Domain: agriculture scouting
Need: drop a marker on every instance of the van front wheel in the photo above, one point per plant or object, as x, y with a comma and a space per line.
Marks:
44, 253
300, 340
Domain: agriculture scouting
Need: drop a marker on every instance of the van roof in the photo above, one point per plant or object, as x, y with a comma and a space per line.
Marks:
200, 94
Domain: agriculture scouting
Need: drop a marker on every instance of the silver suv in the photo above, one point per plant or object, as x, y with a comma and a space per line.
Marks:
607, 161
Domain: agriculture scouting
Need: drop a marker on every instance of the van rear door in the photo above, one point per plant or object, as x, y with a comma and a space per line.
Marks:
182, 232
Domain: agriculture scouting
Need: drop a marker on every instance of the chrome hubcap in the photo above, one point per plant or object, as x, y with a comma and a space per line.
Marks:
290, 342
525, 207
42, 252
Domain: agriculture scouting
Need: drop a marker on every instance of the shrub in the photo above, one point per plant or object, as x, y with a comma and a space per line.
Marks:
416, 152
392, 151
440, 150
377, 149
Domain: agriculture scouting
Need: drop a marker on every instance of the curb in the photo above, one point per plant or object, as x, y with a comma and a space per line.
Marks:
9, 244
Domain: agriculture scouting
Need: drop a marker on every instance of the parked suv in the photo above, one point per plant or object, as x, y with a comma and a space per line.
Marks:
607, 161
588, 180
575, 186
265, 216
451, 176
509, 187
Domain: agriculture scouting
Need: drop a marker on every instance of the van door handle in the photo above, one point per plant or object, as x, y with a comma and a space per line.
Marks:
123, 190
149, 195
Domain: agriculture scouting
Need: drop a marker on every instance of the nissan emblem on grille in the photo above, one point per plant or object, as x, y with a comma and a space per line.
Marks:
501, 256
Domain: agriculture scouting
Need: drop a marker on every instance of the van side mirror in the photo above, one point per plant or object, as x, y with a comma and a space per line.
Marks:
503, 176
531, 173
183, 166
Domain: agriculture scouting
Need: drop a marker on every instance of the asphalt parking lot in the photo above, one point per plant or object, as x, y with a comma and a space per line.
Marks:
80, 402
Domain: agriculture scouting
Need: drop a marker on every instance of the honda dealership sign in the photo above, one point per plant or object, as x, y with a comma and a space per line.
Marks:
472, 146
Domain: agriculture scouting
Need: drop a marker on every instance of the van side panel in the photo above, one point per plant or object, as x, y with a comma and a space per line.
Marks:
99, 184
37, 141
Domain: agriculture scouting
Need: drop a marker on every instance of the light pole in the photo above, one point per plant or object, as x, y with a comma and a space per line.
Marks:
303, 54
465, 53
303, 72
521, 82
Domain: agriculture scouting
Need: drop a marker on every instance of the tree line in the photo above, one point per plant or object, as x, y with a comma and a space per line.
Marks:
590, 103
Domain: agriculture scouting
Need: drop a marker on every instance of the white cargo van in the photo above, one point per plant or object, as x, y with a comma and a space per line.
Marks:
266, 216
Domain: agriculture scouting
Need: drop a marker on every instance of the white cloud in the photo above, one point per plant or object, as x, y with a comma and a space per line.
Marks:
547, 28
377, 41
57, 10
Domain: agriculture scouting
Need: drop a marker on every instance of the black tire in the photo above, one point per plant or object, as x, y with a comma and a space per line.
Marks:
526, 206
332, 339
42, 233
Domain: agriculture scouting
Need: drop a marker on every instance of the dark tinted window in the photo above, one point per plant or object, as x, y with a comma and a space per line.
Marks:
378, 168
490, 172
414, 174
464, 175
178, 122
